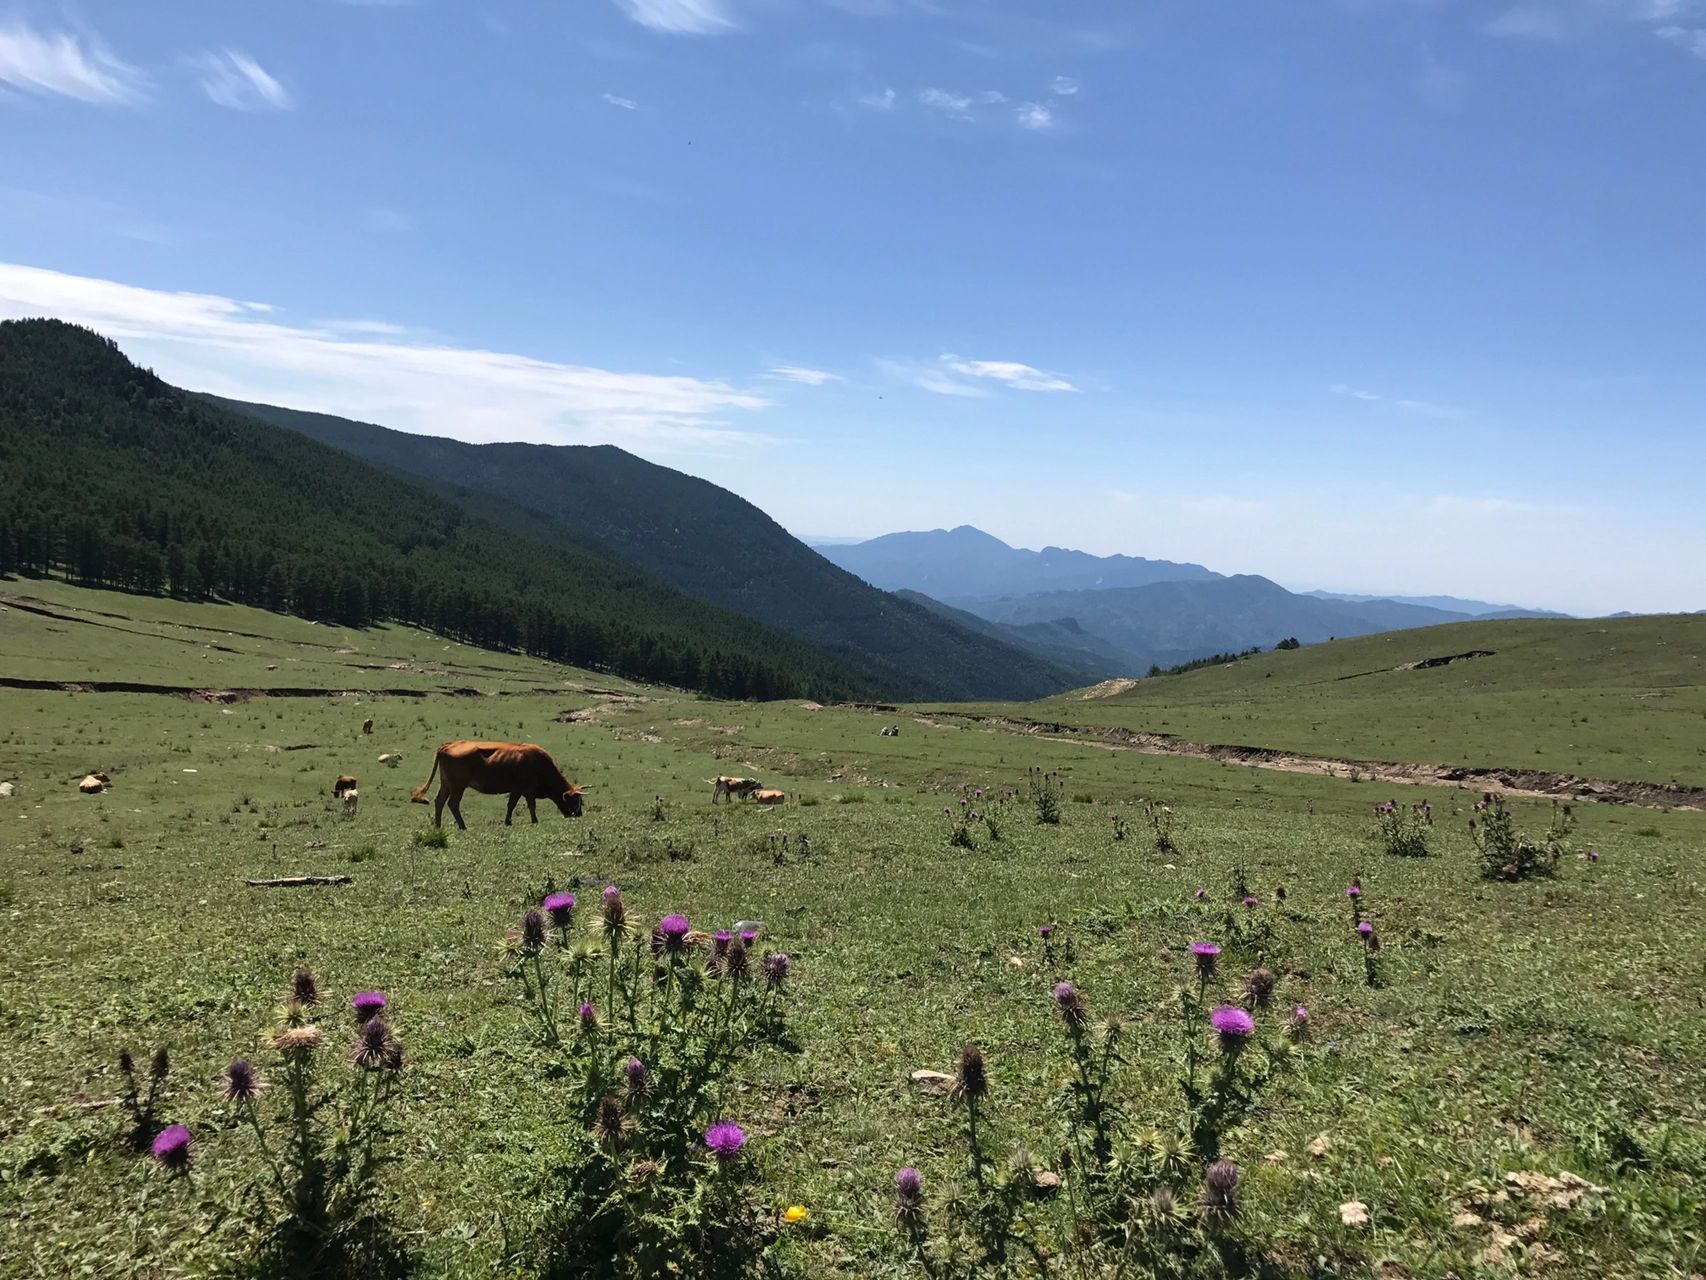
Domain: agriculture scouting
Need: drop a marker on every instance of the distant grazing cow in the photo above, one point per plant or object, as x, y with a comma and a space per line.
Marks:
522, 769
391, 759
367, 726
352, 797
769, 796
93, 783
344, 784
732, 787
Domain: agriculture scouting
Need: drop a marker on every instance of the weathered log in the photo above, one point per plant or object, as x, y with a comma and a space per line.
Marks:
292, 882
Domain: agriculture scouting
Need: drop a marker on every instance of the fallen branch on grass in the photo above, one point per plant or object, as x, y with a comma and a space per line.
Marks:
292, 882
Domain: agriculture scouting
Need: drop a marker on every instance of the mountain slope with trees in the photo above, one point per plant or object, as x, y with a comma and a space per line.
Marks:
712, 544
114, 478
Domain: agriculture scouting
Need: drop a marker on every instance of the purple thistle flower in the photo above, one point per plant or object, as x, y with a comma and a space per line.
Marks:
673, 929
725, 1139
533, 931
242, 1081
174, 1148
367, 1004
589, 1017
1200, 894
1365, 929
372, 1048
1299, 1022
1220, 1191
1593, 855
748, 936
1045, 931
720, 942
1251, 900
639, 1076
776, 967
1205, 954
945, 809
1069, 1004
1233, 1025
611, 891
1353, 891
560, 907
909, 1194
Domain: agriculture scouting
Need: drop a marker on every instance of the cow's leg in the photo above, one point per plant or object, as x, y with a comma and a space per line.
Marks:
438, 807
456, 812
509, 812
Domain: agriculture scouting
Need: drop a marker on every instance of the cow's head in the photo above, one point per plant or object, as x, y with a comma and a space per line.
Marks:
570, 802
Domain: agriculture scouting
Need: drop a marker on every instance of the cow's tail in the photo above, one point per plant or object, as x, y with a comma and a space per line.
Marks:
418, 795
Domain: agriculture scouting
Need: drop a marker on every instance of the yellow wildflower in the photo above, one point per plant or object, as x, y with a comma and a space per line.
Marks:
796, 1213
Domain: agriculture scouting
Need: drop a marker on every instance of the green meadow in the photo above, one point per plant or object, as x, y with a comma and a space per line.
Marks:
1515, 1033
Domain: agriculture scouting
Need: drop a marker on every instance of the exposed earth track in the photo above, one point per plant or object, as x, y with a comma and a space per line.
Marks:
1540, 783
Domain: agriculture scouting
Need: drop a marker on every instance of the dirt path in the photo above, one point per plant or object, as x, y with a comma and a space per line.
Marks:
1518, 782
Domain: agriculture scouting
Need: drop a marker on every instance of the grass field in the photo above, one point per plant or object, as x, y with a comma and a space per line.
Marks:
1549, 1026
1619, 698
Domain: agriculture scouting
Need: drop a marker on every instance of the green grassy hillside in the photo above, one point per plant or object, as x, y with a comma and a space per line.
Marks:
711, 544
1612, 698
111, 477
1516, 1029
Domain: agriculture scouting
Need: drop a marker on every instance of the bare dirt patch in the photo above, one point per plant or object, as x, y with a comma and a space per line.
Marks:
1540, 783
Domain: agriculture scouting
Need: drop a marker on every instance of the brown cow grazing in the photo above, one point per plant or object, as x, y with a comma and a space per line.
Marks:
732, 787
522, 769
769, 796
344, 784
352, 798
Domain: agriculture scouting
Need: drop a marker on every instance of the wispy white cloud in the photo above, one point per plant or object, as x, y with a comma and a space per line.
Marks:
680, 17
1421, 408
1691, 39
1034, 116
243, 349
616, 100
809, 377
236, 80
882, 100
949, 375
1063, 86
956, 106
70, 66
1021, 377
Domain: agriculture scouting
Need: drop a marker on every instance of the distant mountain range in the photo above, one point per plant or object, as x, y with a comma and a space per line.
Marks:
709, 543
1107, 616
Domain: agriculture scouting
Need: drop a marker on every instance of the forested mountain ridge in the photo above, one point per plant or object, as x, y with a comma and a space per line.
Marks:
714, 545
115, 478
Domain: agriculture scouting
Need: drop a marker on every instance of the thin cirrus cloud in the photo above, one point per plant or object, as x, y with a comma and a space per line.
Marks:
950, 375
237, 81
680, 17
1681, 23
366, 370
1421, 408
802, 375
67, 66
617, 100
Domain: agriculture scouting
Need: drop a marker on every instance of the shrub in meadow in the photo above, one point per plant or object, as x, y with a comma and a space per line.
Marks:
653, 1175
1404, 831
321, 1121
1045, 793
1160, 827
1505, 853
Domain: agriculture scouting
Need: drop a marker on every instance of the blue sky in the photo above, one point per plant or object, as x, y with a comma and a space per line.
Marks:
1403, 295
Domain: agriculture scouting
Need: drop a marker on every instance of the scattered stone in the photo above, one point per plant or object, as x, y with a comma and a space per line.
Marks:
93, 784
1016, 962
933, 1081
1320, 1146
1466, 1220
1353, 1213
391, 758
7, 790
1385, 1162
1045, 1180
1275, 1156
1562, 1192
